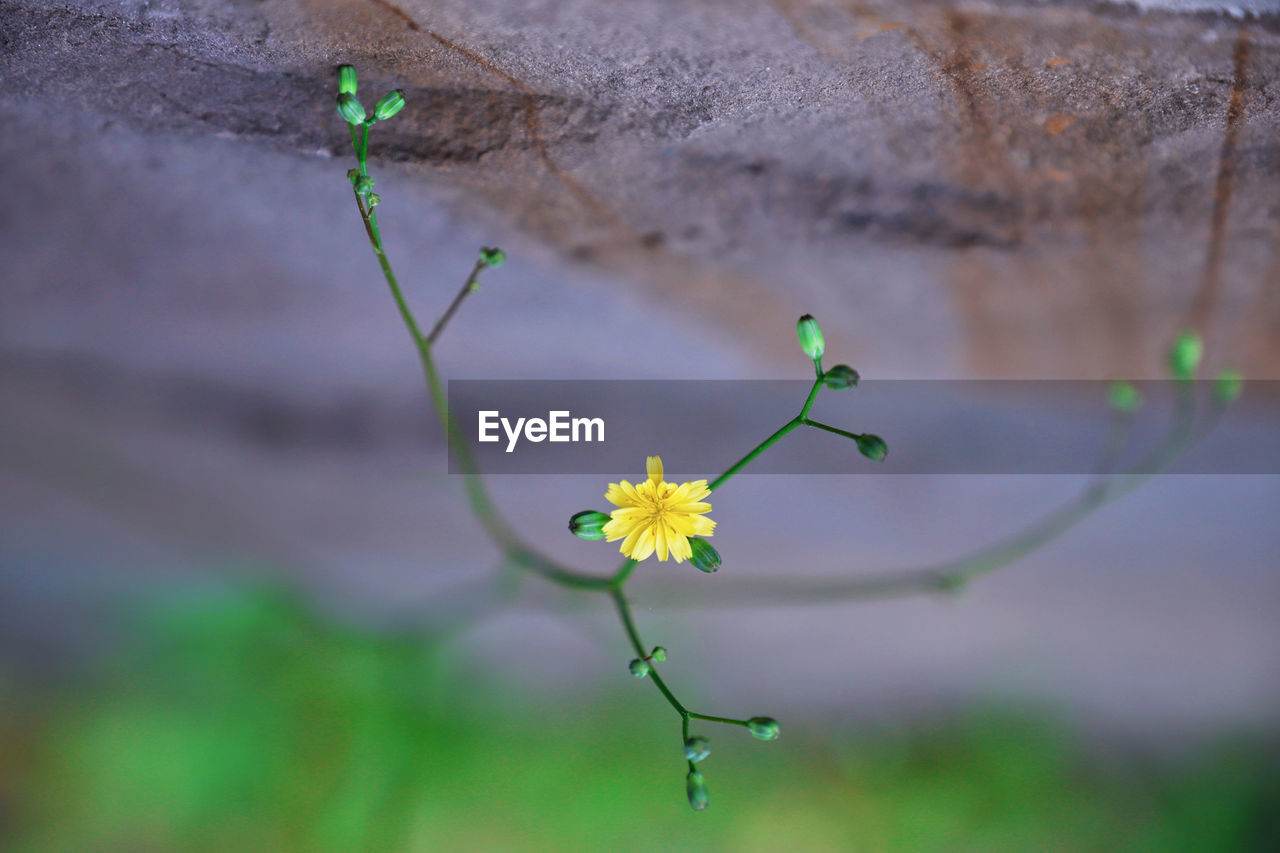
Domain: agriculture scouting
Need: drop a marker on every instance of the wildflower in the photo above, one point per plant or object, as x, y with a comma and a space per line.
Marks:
658, 516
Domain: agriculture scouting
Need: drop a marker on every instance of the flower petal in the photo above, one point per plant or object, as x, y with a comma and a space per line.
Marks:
660, 539
617, 528
644, 545
622, 494
703, 526
629, 544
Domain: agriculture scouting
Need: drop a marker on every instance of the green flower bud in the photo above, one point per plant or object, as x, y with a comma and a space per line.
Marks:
640, 668
353, 175
588, 524
840, 377
373, 200
696, 787
346, 79
697, 748
765, 728
1184, 355
810, 334
705, 558
492, 256
658, 655
388, 105
872, 447
1227, 387
1124, 397
364, 184
350, 109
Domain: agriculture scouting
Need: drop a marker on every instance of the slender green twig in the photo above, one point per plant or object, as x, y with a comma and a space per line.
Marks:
468, 287
629, 626
829, 428
753, 454
482, 505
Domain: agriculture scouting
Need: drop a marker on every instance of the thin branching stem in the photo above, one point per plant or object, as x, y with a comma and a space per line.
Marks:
948, 576
471, 285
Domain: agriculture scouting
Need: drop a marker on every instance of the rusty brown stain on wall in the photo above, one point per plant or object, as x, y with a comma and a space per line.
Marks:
1202, 306
1058, 123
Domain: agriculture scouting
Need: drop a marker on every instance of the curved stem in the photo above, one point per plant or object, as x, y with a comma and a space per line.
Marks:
629, 625
481, 504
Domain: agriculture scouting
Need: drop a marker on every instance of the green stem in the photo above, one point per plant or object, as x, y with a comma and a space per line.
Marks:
813, 393
481, 504
624, 571
829, 428
771, 440
751, 457
726, 720
468, 287
629, 625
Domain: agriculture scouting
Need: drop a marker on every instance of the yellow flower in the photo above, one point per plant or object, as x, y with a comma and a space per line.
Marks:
658, 516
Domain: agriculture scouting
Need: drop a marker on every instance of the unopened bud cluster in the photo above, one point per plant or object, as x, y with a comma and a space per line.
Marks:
350, 108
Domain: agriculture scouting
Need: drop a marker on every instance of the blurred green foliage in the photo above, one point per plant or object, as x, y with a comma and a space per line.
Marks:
246, 722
